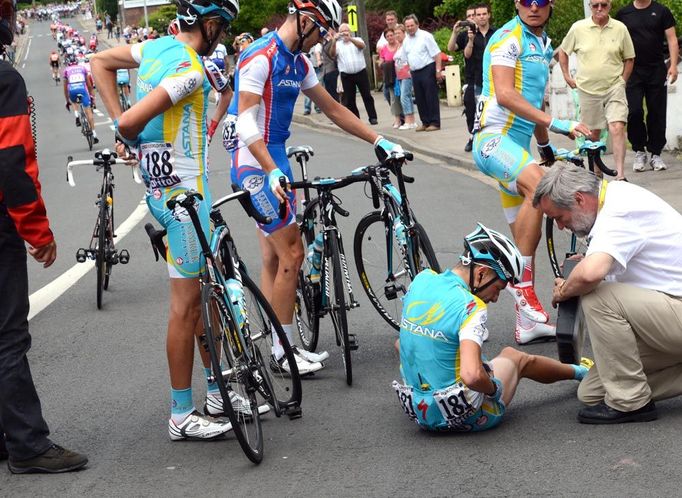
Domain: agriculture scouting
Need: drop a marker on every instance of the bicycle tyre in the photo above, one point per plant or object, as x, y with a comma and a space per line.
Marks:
424, 248
338, 304
307, 310
281, 391
220, 329
100, 253
371, 263
558, 240
85, 126
109, 246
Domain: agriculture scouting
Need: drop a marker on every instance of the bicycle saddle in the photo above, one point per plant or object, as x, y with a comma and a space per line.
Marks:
304, 150
589, 145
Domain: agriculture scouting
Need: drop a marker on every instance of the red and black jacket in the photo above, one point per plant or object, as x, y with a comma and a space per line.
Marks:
19, 186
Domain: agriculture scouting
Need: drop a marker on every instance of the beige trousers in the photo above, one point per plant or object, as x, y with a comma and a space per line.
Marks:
636, 337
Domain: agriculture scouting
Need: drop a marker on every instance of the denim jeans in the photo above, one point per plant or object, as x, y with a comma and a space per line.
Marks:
406, 96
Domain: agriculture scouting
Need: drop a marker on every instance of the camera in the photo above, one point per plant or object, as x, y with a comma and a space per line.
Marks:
468, 24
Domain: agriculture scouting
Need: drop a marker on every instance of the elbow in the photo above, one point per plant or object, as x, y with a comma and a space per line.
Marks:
125, 126
470, 376
504, 98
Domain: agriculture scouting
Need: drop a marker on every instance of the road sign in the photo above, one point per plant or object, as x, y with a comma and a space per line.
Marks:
353, 18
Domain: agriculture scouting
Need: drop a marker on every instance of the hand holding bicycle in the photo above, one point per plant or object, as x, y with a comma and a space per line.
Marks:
385, 149
571, 129
275, 185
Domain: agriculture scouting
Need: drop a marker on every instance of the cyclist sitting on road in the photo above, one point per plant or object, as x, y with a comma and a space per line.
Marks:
447, 383
54, 64
167, 127
77, 82
510, 109
271, 73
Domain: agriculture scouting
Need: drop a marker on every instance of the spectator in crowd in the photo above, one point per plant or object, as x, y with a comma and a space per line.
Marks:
603, 70
404, 77
391, 19
350, 60
386, 56
242, 41
423, 56
109, 25
24, 433
118, 33
649, 24
630, 289
315, 56
330, 73
459, 38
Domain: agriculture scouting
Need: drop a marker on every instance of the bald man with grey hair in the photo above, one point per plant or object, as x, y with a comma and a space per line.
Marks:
630, 289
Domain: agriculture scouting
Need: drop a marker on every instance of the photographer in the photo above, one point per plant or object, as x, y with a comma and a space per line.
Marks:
472, 36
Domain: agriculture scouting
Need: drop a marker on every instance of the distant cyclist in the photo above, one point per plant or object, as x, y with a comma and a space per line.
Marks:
271, 73
77, 83
166, 128
123, 82
509, 111
54, 65
447, 383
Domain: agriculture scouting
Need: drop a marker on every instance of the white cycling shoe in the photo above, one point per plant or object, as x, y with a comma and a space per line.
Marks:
214, 405
310, 356
197, 426
305, 367
528, 303
538, 332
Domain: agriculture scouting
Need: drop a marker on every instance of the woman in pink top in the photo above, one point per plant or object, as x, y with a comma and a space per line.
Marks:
388, 67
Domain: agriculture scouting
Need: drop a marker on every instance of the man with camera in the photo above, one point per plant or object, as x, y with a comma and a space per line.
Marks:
472, 36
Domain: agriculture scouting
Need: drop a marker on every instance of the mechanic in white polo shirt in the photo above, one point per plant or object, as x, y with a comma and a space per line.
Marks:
630, 288
350, 59
424, 59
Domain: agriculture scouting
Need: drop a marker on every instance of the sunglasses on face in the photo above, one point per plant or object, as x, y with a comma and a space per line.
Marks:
538, 3
603, 5
323, 30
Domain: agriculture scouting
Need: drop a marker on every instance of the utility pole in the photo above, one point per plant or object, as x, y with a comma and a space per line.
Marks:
364, 34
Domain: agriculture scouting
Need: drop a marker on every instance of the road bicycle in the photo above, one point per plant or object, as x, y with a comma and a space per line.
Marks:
555, 238
102, 249
570, 325
85, 124
391, 247
333, 294
122, 99
238, 325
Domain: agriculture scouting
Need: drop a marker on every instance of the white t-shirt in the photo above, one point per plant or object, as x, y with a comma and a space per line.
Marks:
420, 49
643, 234
349, 58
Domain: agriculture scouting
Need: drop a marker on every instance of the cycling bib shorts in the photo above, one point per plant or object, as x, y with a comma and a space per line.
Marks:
502, 158
183, 255
248, 175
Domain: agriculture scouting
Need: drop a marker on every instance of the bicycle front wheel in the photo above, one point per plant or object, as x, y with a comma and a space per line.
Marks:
307, 307
101, 249
381, 263
281, 389
233, 372
561, 244
109, 234
337, 302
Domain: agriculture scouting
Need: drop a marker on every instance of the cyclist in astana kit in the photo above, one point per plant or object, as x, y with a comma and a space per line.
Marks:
270, 74
167, 129
510, 110
447, 384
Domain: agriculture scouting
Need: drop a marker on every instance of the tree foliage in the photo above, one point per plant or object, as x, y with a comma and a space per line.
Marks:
161, 18
108, 6
423, 9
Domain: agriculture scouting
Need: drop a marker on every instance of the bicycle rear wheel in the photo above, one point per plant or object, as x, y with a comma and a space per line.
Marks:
561, 244
307, 308
100, 251
85, 126
337, 302
380, 261
109, 234
233, 371
280, 389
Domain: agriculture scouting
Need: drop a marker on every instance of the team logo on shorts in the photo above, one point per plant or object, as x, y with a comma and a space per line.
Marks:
157, 194
253, 183
179, 260
490, 147
482, 420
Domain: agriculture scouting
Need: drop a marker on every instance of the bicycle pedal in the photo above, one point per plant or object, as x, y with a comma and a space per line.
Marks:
353, 342
81, 255
123, 256
113, 258
391, 292
294, 412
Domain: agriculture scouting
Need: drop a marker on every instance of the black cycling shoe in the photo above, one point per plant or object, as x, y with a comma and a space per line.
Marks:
78, 122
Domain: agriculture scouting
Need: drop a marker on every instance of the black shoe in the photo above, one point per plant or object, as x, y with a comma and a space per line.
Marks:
306, 113
55, 460
95, 140
604, 414
469, 145
373, 122
78, 122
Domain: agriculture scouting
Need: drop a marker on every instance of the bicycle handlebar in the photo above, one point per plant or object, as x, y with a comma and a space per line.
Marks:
186, 200
105, 157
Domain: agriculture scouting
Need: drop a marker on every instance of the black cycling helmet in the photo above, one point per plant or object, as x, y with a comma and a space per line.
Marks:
8, 21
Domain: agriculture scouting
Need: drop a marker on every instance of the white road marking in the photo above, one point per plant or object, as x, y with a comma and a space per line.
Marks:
28, 47
45, 296
104, 122
98, 112
23, 65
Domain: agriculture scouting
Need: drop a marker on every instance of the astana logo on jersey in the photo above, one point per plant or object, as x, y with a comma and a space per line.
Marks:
420, 316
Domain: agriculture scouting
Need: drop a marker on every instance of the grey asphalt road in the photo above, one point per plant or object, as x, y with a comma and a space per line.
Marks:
102, 375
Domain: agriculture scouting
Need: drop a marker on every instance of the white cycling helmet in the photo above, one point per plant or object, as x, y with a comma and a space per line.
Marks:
328, 12
490, 248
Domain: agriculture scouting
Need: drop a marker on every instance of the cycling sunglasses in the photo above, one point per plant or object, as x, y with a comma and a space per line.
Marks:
538, 3
323, 30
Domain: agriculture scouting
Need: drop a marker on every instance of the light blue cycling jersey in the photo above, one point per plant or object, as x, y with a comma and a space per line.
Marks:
123, 77
438, 312
514, 45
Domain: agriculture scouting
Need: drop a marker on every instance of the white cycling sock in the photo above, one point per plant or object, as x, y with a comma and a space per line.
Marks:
277, 349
